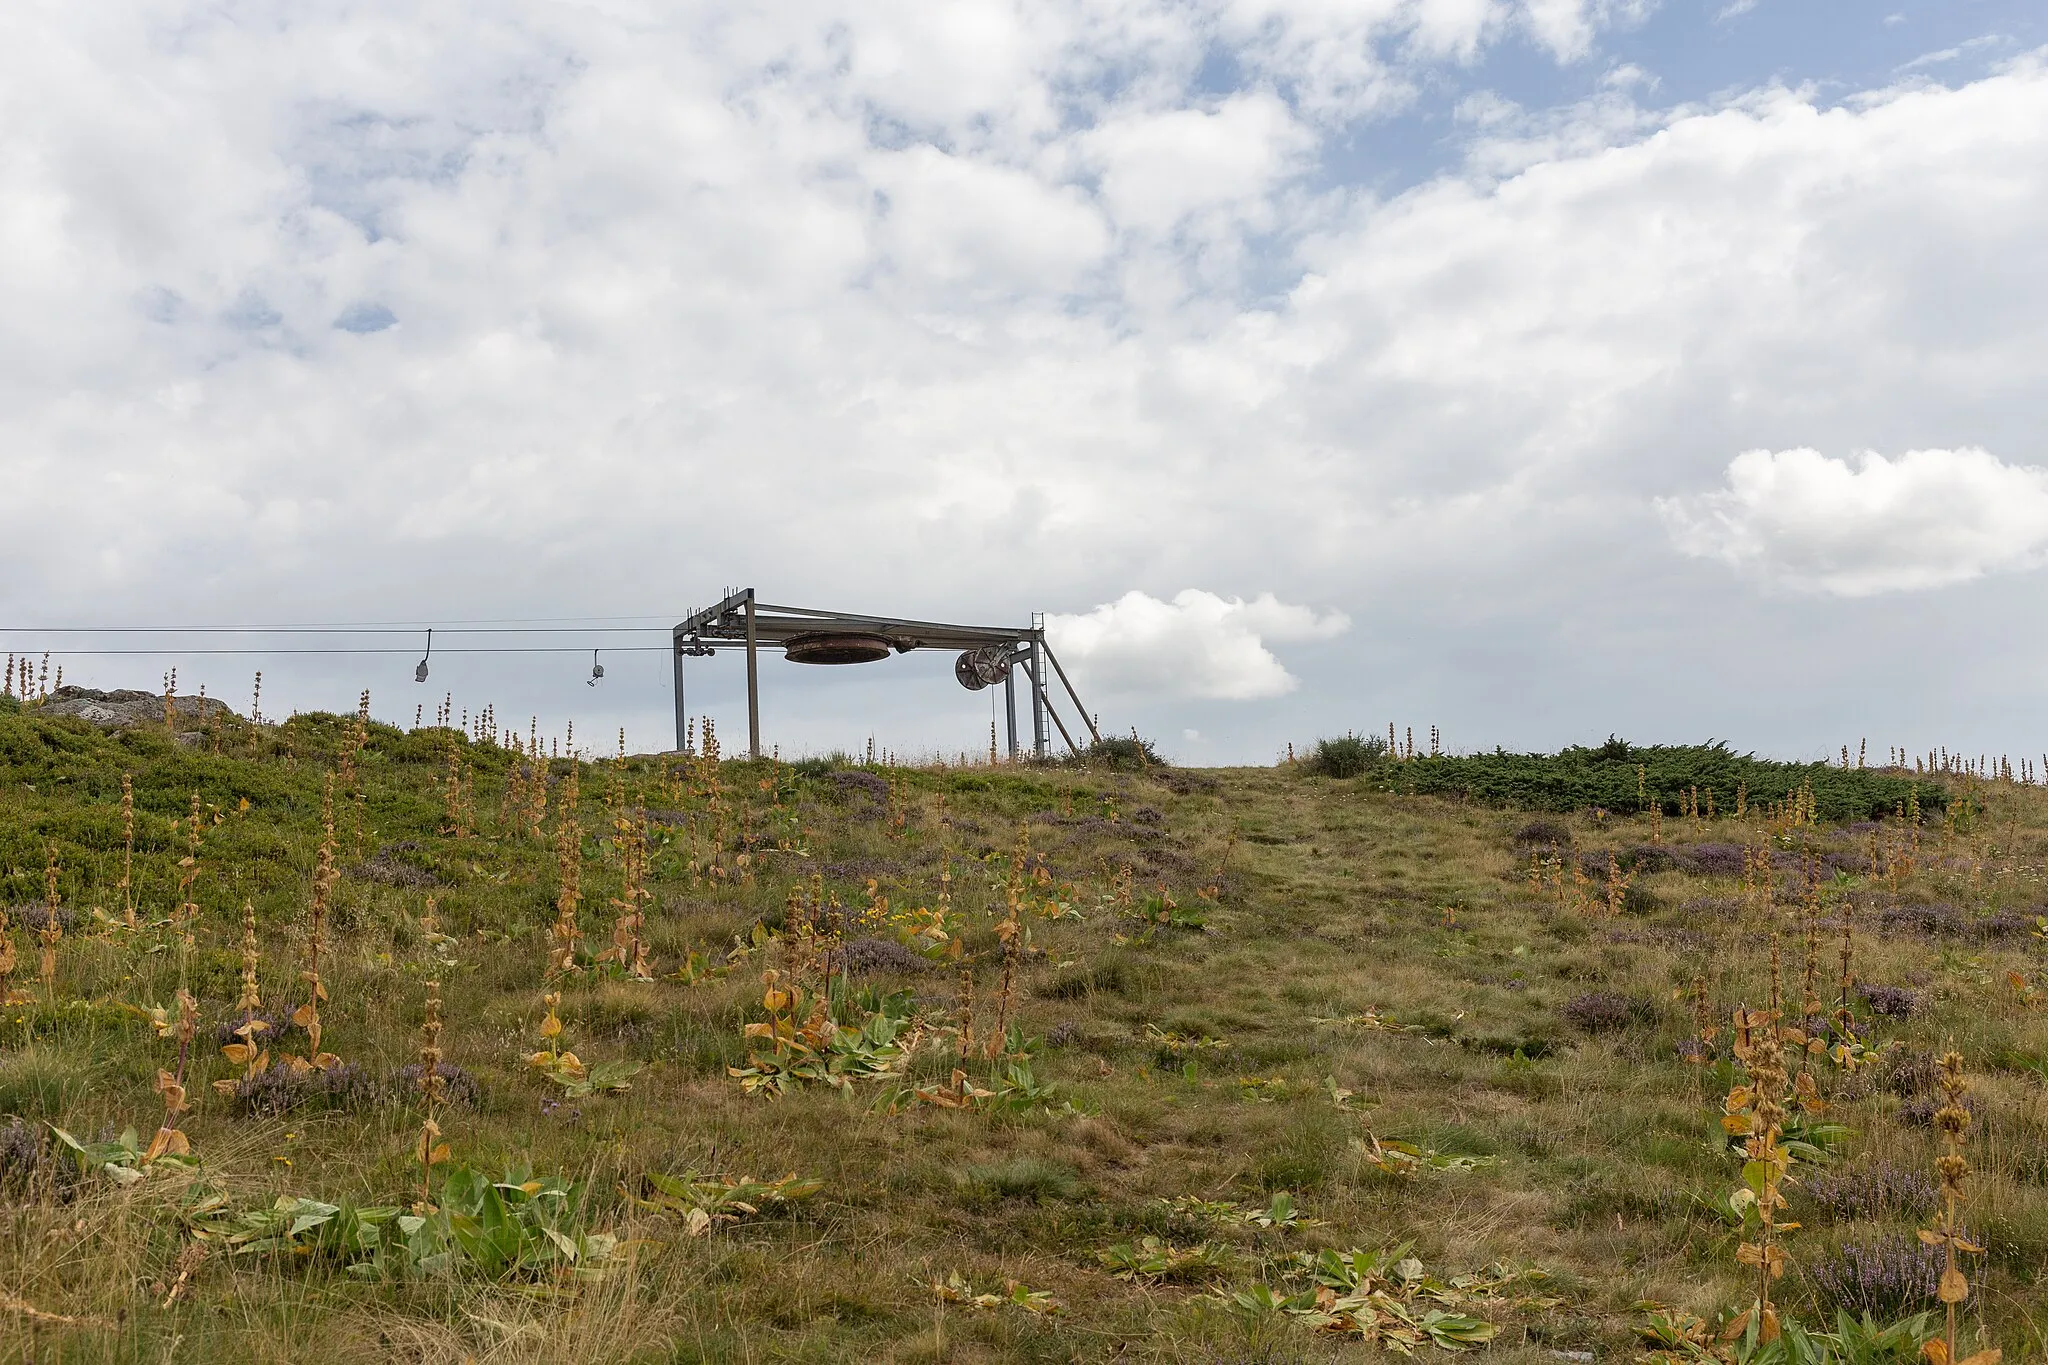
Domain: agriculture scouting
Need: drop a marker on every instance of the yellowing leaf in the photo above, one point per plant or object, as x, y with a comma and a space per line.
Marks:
1954, 1286
167, 1142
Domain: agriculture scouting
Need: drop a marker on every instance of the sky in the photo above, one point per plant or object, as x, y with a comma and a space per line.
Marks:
1534, 369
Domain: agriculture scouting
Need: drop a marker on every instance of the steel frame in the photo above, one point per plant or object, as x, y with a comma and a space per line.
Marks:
739, 618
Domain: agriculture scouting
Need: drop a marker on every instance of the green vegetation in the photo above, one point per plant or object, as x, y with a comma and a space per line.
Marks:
1623, 778
1347, 756
670, 1059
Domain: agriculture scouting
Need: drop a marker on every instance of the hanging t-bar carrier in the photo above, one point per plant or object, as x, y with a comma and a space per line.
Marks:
989, 655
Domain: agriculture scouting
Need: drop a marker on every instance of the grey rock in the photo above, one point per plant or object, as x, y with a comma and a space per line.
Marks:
126, 707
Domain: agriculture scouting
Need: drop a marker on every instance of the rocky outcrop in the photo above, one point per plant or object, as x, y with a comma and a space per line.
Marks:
126, 707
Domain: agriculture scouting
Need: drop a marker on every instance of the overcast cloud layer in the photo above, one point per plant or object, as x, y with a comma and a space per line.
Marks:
1616, 417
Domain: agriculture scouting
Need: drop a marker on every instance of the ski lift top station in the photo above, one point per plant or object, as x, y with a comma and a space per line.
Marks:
988, 655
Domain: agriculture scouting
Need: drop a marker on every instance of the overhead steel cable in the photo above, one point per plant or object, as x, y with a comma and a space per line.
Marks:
367, 649
331, 630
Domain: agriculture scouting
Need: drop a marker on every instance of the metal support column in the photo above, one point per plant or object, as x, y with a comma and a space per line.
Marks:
1010, 702
683, 717
1041, 736
753, 684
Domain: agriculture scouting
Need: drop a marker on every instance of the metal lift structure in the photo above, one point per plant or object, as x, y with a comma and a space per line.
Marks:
988, 655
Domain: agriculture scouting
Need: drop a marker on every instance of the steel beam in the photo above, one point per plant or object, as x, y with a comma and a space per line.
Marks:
683, 715
1010, 703
1041, 737
753, 684
739, 618
1086, 719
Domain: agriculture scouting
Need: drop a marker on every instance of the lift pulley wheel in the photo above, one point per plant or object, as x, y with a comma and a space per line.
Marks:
984, 667
835, 647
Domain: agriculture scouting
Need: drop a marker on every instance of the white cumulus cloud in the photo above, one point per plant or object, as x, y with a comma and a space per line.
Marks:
1923, 520
1198, 645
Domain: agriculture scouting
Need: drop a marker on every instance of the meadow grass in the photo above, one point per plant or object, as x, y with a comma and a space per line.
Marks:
1237, 984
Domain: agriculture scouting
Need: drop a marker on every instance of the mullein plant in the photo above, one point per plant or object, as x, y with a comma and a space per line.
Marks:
512, 800
1617, 885
433, 1090
52, 932
185, 913
1847, 983
550, 1058
629, 944
1010, 941
438, 943
127, 882
247, 1051
251, 997
455, 794
1953, 1122
307, 1016
1705, 1041
169, 1139
535, 782
7, 959
1755, 1112
565, 936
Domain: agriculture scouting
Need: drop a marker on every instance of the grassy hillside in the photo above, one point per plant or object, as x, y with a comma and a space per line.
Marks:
1065, 1064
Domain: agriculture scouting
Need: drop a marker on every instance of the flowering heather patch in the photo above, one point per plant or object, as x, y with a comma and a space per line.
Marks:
1909, 1072
1548, 833
1930, 921
21, 1155
2006, 924
1949, 921
280, 1089
276, 1024
1605, 1011
1713, 860
1642, 858
1875, 1191
868, 956
854, 780
458, 1086
1893, 1002
1920, 1113
1650, 858
391, 872
35, 916
1886, 1277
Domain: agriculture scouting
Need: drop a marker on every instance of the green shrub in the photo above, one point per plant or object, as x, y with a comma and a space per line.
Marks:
1120, 753
1606, 777
1348, 756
